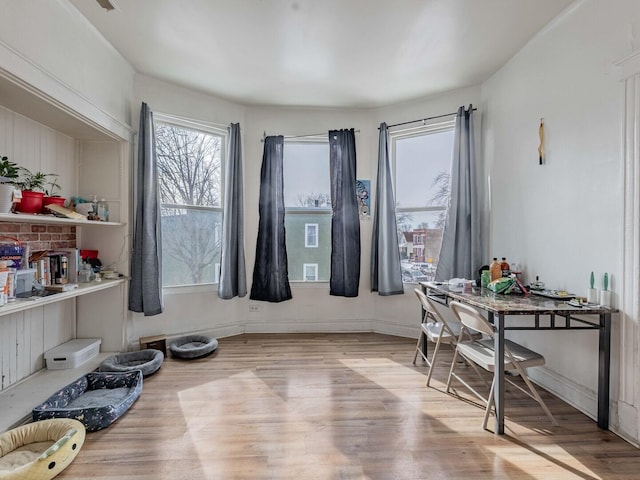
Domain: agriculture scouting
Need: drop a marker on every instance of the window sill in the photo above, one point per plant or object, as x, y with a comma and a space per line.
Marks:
188, 289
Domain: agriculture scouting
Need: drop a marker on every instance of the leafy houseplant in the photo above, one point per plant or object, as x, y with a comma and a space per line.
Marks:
32, 185
8, 174
8, 170
51, 194
53, 187
34, 182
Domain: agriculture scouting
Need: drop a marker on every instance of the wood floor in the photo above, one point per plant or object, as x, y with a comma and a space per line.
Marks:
347, 406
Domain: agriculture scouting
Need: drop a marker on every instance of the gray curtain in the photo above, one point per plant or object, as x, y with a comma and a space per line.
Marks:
345, 222
233, 277
461, 253
386, 274
270, 271
145, 287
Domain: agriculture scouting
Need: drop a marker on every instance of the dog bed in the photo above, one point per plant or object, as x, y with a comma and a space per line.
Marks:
193, 346
148, 361
97, 400
40, 450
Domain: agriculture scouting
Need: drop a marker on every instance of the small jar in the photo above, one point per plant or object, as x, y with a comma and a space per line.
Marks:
85, 273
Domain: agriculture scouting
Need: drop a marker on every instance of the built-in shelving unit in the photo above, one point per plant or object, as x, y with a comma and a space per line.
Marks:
83, 288
63, 132
51, 219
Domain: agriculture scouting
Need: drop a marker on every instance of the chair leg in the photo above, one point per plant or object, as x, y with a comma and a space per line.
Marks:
433, 360
419, 349
536, 395
489, 405
453, 366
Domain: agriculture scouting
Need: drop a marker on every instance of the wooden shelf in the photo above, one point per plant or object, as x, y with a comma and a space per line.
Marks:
17, 401
50, 219
83, 288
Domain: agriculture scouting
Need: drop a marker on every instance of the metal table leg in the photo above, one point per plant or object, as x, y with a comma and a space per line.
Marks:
604, 364
499, 371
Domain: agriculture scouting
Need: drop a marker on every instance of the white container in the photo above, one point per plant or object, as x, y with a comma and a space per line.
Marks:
72, 353
605, 298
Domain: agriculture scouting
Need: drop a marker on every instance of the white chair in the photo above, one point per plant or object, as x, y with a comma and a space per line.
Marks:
435, 329
482, 353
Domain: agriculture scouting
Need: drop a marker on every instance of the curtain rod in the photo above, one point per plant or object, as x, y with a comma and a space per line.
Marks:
424, 119
179, 119
309, 135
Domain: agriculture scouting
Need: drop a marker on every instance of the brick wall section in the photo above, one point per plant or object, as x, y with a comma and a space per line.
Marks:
40, 237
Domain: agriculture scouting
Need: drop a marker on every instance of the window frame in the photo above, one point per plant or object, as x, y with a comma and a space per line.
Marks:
304, 271
419, 131
316, 235
295, 210
209, 129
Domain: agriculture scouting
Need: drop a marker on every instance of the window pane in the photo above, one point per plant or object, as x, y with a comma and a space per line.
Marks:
422, 170
189, 166
189, 173
307, 220
312, 235
306, 175
423, 165
190, 246
310, 272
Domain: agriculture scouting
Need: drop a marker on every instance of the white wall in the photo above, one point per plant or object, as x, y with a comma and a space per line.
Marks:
40, 40
312, 308
563, 219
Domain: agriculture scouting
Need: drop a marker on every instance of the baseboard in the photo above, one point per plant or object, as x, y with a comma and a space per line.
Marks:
584, 399
309, 326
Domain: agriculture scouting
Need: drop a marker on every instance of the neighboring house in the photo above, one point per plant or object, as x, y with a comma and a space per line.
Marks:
421, 245
308, 233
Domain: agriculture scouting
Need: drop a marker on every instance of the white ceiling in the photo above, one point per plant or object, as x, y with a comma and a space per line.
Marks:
350, 53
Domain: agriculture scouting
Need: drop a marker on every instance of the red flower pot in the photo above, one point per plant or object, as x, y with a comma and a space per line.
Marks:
31, 202
51, 200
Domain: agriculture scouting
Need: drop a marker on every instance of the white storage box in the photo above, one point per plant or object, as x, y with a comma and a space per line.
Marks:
72, 353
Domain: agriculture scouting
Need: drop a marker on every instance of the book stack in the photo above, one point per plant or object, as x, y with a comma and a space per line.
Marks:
57, 267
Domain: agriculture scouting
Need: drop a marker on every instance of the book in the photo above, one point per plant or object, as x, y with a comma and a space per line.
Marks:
61, 287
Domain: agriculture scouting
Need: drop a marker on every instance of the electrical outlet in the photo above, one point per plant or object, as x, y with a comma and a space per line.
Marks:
253, 308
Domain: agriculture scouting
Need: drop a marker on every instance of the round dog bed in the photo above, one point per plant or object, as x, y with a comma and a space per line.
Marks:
148, 360
40, 450
193, 346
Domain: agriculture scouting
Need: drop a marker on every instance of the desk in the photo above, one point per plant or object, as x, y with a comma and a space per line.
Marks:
561, 316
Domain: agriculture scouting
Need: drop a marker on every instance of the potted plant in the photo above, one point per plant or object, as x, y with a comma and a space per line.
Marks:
32, 185
51, 195
8, 174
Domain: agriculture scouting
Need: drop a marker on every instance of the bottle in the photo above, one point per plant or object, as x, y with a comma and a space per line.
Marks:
85, 273
4, 290
494, 268
11, 285
103, 210
504, 266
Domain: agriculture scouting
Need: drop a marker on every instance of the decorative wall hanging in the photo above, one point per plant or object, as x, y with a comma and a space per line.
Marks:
363, 189
541, 146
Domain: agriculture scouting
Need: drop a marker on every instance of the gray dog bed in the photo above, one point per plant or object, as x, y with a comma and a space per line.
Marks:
148, 360
193, 346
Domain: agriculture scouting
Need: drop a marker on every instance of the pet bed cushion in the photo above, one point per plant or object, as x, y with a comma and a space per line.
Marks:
148, 361
98, 399
40, 450
193, 346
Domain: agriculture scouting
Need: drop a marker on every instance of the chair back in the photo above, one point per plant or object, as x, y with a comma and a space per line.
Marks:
431, 311
471, 318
